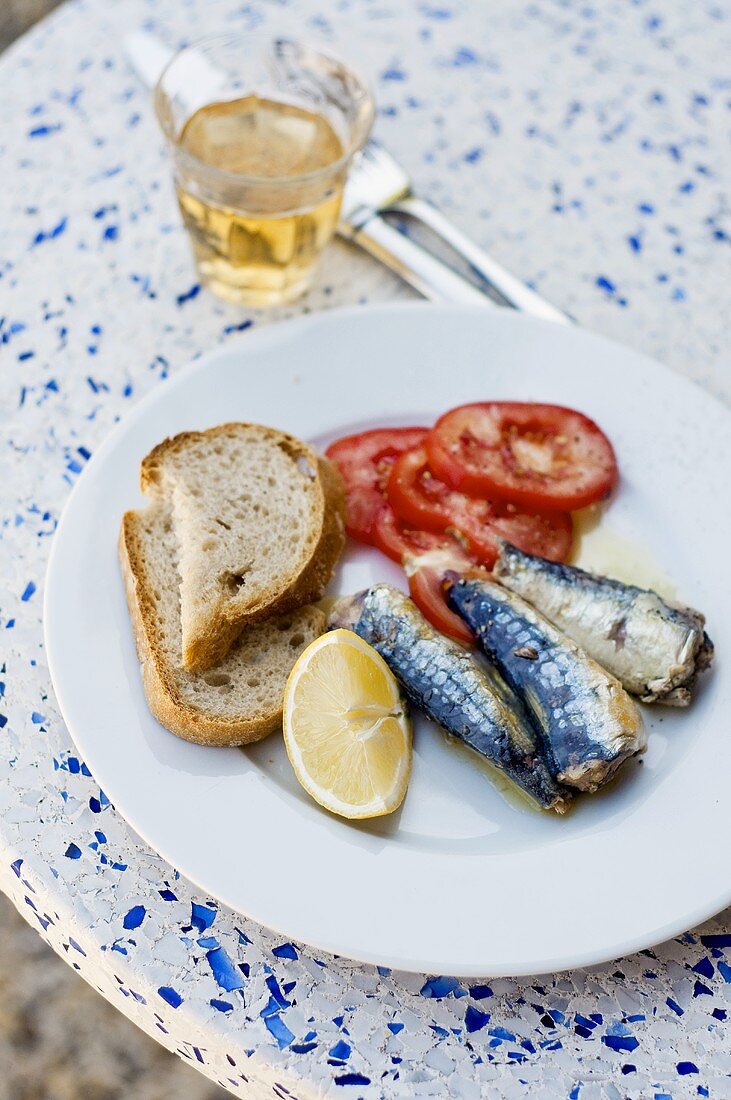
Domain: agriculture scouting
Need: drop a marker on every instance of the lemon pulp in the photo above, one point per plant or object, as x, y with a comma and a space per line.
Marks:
346, 729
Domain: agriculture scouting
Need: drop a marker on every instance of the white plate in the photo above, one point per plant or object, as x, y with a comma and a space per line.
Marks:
461, 880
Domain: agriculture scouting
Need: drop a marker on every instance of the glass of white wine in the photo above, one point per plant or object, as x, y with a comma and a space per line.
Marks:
262, 130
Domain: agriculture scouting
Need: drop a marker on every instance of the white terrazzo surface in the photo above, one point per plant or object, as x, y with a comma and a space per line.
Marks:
586, 144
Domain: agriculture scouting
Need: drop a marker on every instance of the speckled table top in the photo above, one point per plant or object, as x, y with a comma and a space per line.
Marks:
586, 145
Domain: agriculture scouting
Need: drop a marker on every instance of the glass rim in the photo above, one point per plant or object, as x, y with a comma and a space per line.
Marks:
364, 86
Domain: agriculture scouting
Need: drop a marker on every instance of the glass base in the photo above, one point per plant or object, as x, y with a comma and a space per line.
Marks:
256, 296
254, 284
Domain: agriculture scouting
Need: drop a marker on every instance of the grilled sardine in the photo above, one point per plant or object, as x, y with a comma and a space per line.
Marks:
652, 647
587, 721
468, 699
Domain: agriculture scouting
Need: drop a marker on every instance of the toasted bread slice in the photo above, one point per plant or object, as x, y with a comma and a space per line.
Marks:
259, 522
238, 701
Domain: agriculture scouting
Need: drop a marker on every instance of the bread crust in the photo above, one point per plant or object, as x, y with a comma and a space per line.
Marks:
309, 584
161, 690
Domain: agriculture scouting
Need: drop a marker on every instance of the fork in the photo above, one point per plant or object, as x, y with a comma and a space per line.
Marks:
383, 185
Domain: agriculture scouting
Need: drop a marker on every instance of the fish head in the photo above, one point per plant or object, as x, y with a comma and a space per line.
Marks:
345, 611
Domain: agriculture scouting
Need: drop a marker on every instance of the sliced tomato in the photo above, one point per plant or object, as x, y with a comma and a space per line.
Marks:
424, 501
426, 557
399, 541
421, 499
547, 534
426, 588
541, 457
365, 461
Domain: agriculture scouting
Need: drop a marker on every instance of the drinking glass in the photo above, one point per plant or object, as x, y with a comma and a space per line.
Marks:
262, 130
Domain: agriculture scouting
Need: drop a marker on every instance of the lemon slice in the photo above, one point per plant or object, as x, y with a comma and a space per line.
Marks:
346, 729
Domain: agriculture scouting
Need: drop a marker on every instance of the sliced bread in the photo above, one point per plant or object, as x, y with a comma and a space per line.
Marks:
258, 518
238, 701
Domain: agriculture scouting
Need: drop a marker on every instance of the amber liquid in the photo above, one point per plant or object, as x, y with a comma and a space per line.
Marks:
258, 243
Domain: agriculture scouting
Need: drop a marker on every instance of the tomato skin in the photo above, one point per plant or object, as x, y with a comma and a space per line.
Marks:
542, 457
417, 496
364, 461
439, 552
398, 541
427, 592
422, 500
547, 534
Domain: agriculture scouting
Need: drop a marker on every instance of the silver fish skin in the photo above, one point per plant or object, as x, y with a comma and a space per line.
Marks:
588, 723
655, 649
452, 687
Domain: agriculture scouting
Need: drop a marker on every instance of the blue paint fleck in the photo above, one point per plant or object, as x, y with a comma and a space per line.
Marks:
50, 234
475, 1020
722, 939
674, 1006
73, 851
277, 996
684, 1068
626, 1043
188, 295
285, 951
221, 1006
276, 1027
202, 916
28, 591
170, 995
502, 1034
352, 1079
439, 987
224, 971
44, 131
704, 967
111, 233
393, 74
463, 56
135, 917
341, 1051
394, 1027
